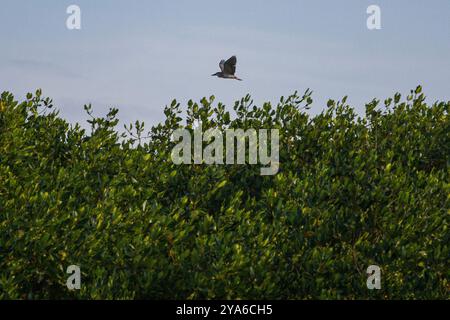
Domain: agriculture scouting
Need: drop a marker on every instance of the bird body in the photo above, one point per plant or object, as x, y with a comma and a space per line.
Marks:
228, 69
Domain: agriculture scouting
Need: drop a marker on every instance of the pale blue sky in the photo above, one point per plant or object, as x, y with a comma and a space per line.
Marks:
139, 55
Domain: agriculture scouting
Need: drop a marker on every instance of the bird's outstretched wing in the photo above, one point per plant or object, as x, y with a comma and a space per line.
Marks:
230, 66
222, 65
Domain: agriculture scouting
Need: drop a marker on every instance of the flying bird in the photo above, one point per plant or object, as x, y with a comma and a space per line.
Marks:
228, 68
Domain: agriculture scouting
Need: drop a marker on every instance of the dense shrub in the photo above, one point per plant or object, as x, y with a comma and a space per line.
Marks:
351, 191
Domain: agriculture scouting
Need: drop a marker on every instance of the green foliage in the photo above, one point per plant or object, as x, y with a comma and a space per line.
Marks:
350, 192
